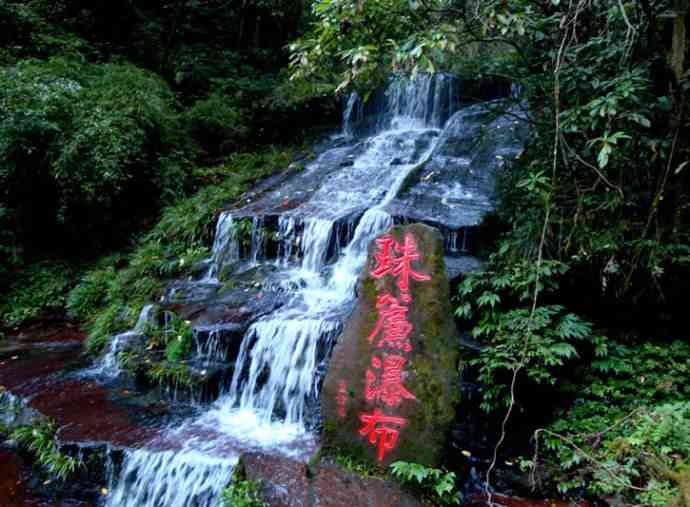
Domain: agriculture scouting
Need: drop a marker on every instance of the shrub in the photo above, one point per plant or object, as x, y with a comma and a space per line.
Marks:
217, 123
81, 140
36, 290
626, 433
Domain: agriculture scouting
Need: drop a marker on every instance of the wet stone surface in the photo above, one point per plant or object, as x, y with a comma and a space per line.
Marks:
44, 375
391, 388
288, 483
22, 486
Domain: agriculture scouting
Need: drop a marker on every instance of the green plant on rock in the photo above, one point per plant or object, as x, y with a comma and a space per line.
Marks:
356, 466
242, 493
41, 440
172, 374
128, 360
179, 336
438, 484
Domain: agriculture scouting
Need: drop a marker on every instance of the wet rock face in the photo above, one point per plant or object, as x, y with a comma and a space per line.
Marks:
12, 490
287, 483
455, 188
391, 388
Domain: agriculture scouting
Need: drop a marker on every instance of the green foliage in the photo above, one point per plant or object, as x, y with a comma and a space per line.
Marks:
216, 123
37, 290
539, 341
41, 440
175, 335
637, 459
128, 360
111, 295
626, 434
92, 290
242, 493
356, 466
438, 484
82, 137
172, 374
25, 32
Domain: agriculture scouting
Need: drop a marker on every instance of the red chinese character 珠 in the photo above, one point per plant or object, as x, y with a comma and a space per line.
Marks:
401, 267
386, 436
393, 323
384, 381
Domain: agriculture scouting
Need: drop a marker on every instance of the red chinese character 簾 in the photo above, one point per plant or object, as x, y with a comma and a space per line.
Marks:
384, 381
393, 323
400, 267
386, 436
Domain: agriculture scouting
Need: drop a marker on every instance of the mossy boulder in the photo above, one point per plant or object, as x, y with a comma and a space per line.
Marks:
406, 377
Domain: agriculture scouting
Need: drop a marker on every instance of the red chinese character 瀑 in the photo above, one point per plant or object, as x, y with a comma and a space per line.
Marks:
384, 381
341, 398
393, 323
387, 437
400, 267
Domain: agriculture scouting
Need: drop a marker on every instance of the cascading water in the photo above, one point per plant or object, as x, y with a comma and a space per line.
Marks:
321, 247
109, 366
226, 247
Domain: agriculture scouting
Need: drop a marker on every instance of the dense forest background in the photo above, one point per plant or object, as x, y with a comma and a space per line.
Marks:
126, 126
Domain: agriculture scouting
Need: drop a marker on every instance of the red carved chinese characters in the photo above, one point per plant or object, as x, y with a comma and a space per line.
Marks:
400, 267
386, 436
393, 323
391, 335
384, 382
341, 398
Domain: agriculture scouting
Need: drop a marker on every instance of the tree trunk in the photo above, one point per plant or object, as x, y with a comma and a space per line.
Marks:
679, 44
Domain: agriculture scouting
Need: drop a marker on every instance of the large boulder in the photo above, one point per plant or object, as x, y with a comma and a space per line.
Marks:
392, 385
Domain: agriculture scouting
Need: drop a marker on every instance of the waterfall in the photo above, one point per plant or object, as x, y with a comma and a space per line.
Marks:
315, 241
208, 348
321, 250
289, 365
226, 246
352, 114
258, 240
109, 365
427, 100
170, 479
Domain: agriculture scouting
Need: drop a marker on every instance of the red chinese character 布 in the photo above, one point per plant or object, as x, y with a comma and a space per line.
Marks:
384, 381
401, 267
386, 436
393, 323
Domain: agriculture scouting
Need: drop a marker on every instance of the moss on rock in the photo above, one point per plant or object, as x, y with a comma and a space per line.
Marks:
430, 372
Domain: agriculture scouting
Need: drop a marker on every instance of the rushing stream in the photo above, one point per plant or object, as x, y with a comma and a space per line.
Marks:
365, 179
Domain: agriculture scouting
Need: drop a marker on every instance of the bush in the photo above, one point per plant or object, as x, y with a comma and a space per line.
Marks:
216, 123
84, 147
626, 433
36, 290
